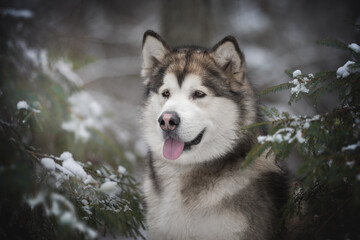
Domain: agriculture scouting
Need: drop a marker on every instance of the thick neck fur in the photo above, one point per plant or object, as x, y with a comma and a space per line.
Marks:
197, 173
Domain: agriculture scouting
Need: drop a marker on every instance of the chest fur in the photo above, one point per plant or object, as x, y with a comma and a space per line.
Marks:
190, 206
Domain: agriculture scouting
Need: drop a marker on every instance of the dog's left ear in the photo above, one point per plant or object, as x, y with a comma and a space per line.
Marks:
229, 57
154, 50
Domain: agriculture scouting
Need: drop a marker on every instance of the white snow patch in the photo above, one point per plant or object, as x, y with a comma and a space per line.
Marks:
29, 53
89, 179
350, 164
32, 56
65, 69
25, 105
72, 168
44, 62
354, 47
86, 113
68, 218
22, 105
303, 121
351, 147
48, 163
64, 171
306, 125
121, 170
109, 188
296, 73
298, 136
345, 71
65, 156
75, 168
330, 162
17, 13
299, 86
279, 137
39, 58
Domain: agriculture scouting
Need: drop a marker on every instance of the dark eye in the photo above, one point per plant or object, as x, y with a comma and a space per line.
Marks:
199, 94
166, 93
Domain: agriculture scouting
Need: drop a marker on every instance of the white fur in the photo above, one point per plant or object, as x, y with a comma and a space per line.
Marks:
168, 216
218, 115
170, 219
176, 210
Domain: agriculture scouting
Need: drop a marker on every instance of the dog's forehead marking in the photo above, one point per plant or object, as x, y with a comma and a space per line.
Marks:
190, 83
170, 81
188, 61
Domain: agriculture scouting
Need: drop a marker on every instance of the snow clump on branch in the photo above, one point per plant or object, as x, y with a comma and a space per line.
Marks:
299, 83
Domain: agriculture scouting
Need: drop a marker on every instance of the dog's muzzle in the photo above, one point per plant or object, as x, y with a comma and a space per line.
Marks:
169, 121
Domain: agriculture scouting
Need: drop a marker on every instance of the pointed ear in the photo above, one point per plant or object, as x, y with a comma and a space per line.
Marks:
154, 50
229, 57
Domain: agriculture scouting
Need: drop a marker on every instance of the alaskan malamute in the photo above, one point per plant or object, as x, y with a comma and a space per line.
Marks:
196, 103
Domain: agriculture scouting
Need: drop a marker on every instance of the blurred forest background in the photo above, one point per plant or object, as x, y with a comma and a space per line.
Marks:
77, 63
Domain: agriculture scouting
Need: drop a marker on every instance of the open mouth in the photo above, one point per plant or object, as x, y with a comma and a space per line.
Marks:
196, 141
173, 148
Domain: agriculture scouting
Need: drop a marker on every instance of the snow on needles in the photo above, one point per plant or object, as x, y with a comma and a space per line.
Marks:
110, 188
64, 167
299, 83
280, 137
69, 167
40, 58
75, 168
291, 133
351, 147
66, 70
60, 207
354, 47
121, 170
86, 113
48, 163
24, 105
296, 73
345, 71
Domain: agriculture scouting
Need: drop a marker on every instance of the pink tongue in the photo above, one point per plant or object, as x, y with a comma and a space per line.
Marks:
172, 149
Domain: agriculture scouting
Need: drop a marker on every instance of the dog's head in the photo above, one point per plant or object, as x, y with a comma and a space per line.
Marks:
196, 99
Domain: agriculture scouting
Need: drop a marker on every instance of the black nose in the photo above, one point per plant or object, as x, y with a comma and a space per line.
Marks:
168, 121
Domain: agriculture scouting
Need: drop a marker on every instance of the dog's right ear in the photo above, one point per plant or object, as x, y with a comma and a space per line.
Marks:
154, 50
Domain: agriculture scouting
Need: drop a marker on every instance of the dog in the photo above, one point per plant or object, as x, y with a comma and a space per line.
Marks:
196, 103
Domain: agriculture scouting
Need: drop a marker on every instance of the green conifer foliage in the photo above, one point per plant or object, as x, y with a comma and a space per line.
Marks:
62, 173
326, 197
